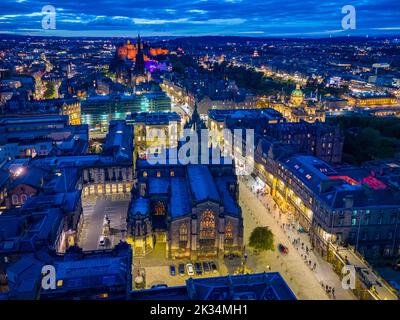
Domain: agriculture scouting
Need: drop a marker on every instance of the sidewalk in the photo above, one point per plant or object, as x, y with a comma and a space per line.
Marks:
298, 266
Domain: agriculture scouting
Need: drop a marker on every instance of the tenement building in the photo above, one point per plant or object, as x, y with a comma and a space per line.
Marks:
338, 204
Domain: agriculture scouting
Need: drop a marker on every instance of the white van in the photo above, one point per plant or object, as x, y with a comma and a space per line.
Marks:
102, 241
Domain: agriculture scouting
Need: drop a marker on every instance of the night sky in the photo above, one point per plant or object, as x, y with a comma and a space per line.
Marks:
308, 18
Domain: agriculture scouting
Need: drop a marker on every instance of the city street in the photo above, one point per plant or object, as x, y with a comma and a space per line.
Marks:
94, 211
305, 280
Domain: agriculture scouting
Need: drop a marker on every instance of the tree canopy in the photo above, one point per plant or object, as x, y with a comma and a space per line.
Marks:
262, 238
369, 138
50, 92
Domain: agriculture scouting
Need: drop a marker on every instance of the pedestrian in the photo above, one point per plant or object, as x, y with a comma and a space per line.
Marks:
333, 292
315, 266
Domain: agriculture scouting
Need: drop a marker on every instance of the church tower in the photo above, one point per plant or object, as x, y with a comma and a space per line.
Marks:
139, 61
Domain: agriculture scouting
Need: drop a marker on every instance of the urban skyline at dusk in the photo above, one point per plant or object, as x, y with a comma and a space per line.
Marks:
199, 151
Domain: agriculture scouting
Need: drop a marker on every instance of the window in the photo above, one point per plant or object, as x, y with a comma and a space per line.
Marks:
159, 209
24, 197
207, 225
229, 231
183, 233
14, 199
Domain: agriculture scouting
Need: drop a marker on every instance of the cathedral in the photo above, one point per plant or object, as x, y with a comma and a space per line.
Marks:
190, 210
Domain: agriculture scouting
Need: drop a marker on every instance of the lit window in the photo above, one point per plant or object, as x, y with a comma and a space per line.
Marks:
229, 231
183, 233
207, 225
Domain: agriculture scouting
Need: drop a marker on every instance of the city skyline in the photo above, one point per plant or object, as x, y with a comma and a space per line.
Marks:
219, 150
204, 17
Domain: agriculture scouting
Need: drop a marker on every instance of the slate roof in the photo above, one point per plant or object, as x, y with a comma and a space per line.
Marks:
180, 198
230, 205
202, 183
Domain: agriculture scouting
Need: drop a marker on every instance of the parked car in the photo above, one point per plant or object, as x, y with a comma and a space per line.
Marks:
172, 270
181, 269
206, 267
213, 266
102, 241
189, 269
199, 270
283, 249
159, 285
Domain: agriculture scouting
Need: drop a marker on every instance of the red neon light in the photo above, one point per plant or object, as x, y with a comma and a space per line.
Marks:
371, 181
374, 183
345, 178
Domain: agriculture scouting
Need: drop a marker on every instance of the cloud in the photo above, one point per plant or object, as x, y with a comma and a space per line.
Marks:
257, 17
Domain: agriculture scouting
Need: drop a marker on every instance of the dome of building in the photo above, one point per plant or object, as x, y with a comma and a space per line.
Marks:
297, 96
297, 92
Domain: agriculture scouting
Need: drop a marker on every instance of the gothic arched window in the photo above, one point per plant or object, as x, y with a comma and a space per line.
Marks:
228, 231
15, 199
207, 225
183, 232
159, 209
24, 197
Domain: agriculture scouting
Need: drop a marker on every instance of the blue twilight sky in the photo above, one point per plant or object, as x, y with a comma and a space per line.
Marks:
282, 18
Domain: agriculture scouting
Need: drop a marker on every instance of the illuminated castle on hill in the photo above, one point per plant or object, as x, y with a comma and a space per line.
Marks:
133, 62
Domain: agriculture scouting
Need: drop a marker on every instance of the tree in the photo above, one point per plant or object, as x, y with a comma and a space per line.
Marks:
50, 92
262, 238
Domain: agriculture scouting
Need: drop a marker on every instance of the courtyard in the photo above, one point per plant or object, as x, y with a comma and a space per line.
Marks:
95, 209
